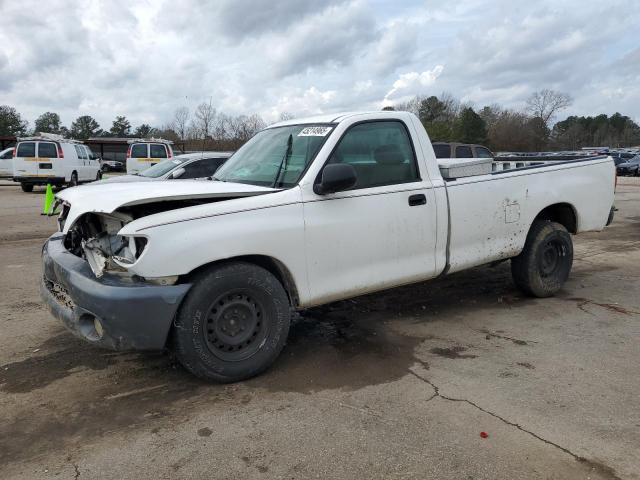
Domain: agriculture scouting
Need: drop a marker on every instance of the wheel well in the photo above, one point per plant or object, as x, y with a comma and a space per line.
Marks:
273, 266
563, 213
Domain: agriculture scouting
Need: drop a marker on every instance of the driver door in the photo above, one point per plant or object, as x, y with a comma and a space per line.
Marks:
381, 232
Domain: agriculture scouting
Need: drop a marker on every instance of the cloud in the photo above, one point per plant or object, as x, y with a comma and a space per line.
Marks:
145, 59
330, 38
413, 83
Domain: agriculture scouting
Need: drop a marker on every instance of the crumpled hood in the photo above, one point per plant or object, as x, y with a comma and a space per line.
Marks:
108, 197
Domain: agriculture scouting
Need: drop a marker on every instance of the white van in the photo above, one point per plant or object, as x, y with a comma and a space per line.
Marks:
143, 153
51, 159
6, 163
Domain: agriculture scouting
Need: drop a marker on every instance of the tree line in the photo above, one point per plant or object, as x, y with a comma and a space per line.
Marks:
446, 118
528, 129
204, 128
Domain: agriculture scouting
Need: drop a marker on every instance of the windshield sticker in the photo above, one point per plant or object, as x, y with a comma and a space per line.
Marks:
315, 131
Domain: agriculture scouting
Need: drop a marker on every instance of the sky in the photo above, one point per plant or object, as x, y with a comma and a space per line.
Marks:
145, 59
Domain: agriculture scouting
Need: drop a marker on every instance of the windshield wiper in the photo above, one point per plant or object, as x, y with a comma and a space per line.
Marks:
283, 162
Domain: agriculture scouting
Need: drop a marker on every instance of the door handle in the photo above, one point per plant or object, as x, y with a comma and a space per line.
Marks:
418, 199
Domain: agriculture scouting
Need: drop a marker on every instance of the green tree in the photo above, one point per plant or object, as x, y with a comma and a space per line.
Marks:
470, 127
11, 123
84, 127
48, 122
120, 127
145, 131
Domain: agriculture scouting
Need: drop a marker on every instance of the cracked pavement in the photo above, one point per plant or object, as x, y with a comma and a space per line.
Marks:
392, 385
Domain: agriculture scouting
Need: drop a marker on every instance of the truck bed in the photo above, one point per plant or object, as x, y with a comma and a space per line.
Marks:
491, 214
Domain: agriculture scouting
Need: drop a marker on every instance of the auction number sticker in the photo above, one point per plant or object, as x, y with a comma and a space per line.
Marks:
314, 131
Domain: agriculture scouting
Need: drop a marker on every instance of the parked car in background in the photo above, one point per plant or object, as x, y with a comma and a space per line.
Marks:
621, 157
112, 166
460, 150
51, 159
143, 153
6, 163
631, 167
182, 167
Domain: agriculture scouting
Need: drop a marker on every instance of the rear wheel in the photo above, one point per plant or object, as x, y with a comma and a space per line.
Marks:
74, 180
26, 187
233, 323
545, 262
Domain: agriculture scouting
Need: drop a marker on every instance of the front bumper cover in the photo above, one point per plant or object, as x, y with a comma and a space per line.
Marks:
131, 315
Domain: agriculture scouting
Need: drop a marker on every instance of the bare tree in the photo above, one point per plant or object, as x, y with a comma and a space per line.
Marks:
180, 122
205, 116
286, 116
546, 103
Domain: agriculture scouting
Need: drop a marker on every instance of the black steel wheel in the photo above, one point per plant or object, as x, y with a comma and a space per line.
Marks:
235, 326
233, 323
544, 264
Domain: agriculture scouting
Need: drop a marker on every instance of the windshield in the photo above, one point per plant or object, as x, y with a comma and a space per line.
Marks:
275, 157
161, 168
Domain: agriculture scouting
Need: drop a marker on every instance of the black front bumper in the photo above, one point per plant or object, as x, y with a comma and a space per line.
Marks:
110, 312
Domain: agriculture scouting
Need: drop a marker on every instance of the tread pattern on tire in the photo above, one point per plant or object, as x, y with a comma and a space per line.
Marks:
525, 267
197, 359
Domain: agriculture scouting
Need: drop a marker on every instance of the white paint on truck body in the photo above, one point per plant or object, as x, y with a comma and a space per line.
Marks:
357, 241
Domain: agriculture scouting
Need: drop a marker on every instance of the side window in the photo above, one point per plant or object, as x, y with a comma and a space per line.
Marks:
482, 152
157, 151
380, 152
82, 155
7, 155
463, 151
198, 169
26, 149
139, 150
442, 150
47, 150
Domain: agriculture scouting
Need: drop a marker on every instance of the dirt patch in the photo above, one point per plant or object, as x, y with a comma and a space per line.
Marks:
329, 348
526, 365
504, 337
452, 352
612, 307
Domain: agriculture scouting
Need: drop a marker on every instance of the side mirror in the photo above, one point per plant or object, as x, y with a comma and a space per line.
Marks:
336, 177
178, 173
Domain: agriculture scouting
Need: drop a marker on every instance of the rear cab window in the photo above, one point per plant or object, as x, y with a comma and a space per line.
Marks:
26, 149
442, 151
139, 150
157, 151
47, 150
482, 152
464, 151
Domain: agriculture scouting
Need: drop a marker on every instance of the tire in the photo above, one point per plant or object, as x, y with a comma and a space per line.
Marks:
544, 264
73, 182
26, 187
233, 323
99, 176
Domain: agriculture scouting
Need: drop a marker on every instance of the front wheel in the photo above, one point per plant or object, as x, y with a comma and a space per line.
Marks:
99, 175
232, 324
544, 264
26, 187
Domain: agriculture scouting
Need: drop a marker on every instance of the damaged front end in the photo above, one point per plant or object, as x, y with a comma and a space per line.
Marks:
94, 237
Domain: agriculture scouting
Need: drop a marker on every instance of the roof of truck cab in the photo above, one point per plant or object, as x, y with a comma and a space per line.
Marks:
333, 117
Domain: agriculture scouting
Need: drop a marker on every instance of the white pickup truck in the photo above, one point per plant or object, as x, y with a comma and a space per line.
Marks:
307, 212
